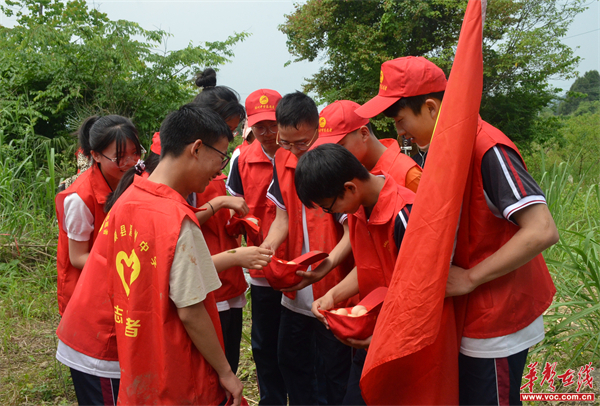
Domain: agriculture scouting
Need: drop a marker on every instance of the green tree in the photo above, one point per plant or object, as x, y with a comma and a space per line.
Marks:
64, 61
522, 50
585, 88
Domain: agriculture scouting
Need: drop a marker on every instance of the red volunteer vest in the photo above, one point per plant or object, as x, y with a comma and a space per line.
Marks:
509, 303
373, 240
217, 240
394, 162
256, 172
159, 362
88, 324
93, 189
324, 232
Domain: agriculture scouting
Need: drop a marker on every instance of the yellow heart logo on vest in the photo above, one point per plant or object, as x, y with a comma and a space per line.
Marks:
263, 99
132, 262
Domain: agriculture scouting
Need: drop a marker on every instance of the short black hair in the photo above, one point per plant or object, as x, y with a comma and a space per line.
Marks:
414, 102
188, 124
322, 172
295, 109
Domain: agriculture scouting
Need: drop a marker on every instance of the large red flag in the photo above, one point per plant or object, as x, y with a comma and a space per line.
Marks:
413, 356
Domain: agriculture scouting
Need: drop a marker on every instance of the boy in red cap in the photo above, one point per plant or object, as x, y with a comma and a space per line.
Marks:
161, 277
306, 348
378, 210
250, 175
506, 225
339, 124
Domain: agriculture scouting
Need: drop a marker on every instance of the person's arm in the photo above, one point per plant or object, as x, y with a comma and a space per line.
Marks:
237, 204
78, 252
537, 232
413, 178
347, 288
246, 257
201, 330
336, 256
278, 231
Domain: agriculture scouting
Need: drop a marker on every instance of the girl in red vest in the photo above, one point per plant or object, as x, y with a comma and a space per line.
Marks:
112, 142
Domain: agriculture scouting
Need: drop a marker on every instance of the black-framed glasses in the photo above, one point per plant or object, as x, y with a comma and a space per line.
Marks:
300, 146
330, 208
124, 161
263, 129
226, 157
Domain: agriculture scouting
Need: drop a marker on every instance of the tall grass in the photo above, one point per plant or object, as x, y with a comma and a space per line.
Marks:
573, 320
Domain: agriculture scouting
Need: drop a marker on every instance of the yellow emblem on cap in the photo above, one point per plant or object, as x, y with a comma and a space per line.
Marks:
263, 99
381, 77
322, 122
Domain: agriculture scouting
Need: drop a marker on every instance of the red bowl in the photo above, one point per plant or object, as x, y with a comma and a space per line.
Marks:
236, 225
360, 327
281, 274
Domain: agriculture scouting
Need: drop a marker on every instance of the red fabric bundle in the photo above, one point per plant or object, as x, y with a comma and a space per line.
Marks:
282, 274
360, 327
251, 224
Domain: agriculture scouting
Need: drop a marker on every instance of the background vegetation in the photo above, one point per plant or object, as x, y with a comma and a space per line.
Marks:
64, 61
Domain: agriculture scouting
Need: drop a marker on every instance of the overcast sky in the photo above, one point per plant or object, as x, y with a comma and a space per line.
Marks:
259, 60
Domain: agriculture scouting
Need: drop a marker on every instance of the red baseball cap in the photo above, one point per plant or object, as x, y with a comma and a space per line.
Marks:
404, 77
261, 104
338, 120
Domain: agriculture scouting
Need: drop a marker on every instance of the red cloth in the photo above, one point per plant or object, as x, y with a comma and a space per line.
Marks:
518, 297
324, 232
93, 190
159, 362
88, 324
218, 240
256, 173
394, 162
373, 241
416, 333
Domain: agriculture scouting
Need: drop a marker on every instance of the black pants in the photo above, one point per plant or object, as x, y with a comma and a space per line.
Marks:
491, 381
301, 340
93, 390
266, 312
231, 326
353, 393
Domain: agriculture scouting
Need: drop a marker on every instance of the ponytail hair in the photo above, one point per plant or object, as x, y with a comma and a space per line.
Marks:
97, 133
221, 99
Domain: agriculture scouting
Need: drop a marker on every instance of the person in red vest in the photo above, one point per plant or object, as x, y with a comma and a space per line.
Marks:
112, 142
333, 179
339, 124
250, 175
161, 277
309, 355
505, 225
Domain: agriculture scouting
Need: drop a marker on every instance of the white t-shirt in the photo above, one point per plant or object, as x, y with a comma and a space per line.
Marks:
193, 274
78, 221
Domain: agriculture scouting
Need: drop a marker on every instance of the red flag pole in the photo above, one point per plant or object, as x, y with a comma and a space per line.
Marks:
413, 356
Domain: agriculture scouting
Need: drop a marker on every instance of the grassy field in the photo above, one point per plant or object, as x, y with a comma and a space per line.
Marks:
30, 375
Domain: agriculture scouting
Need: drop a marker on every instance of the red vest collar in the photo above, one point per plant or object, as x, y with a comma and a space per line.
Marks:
256, 154
100, 187
290, 159
393, 149
386, 204
161, 190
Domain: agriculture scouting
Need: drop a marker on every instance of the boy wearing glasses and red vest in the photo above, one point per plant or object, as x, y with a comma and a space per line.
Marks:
505, 225
339, 124
250, 175
306, 348
161, 277
378, 210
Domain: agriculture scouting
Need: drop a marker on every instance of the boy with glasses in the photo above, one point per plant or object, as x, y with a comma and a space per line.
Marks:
249, 177
378, 210
306, 348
